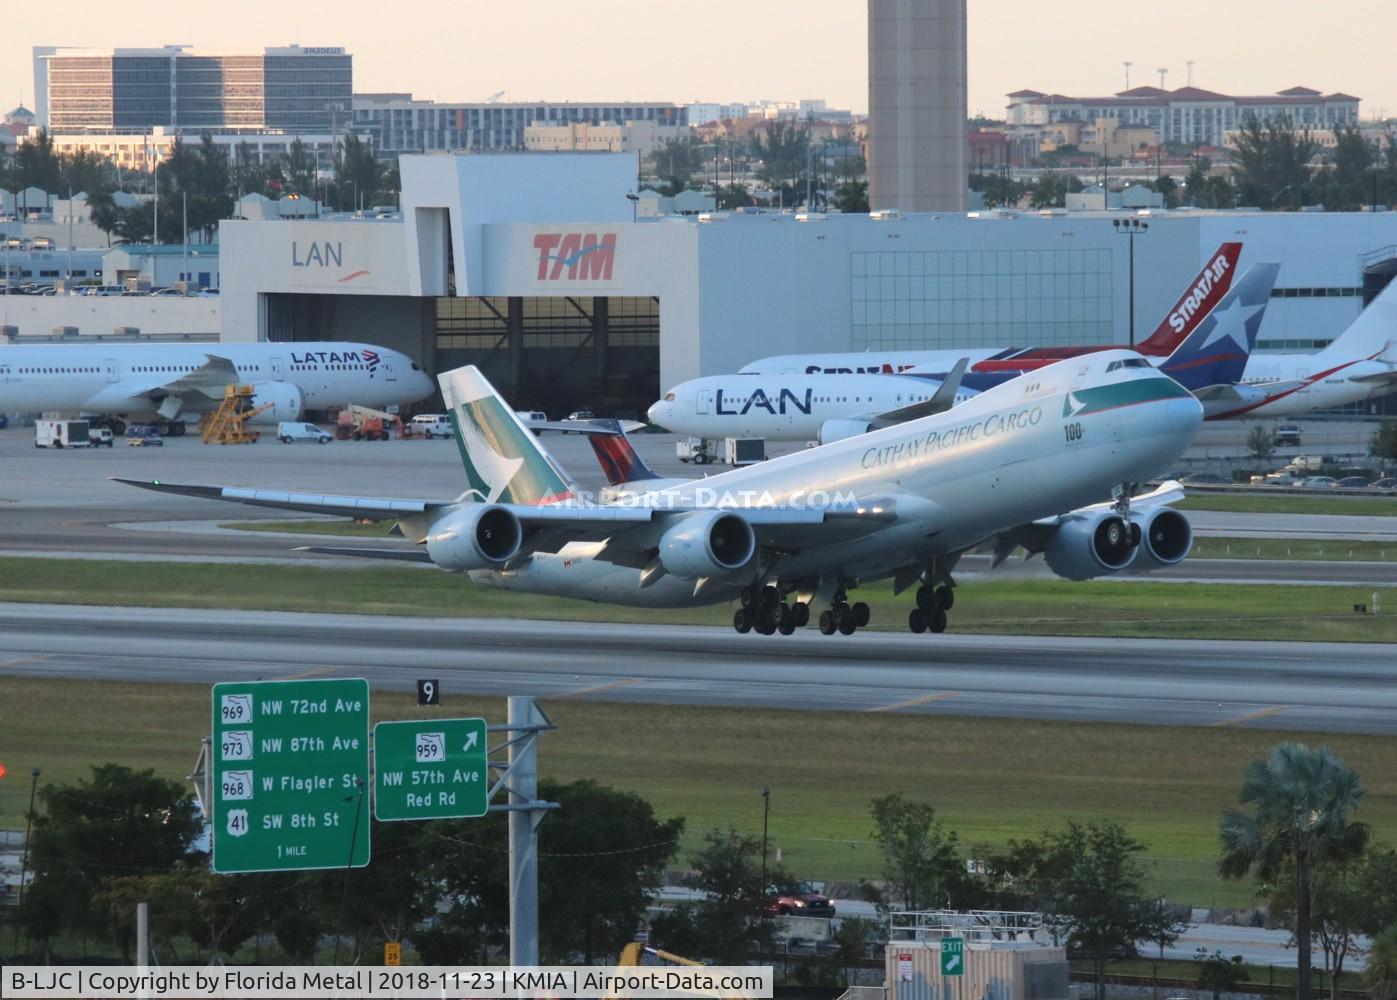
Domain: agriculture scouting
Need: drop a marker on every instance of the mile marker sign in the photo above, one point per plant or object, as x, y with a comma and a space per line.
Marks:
290, 775
431, 769
953, 956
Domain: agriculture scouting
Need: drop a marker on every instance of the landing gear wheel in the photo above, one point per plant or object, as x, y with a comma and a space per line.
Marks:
765, 625
771, 597
742, 621
750, 596
827, 625
916, 620
118, 428
800, 612
787, 625
1135, 534
780, 614
937, 620
926, 599
861, 614
844, 620
945, 598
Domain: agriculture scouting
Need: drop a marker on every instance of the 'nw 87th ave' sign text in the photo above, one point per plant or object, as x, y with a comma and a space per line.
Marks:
290, 775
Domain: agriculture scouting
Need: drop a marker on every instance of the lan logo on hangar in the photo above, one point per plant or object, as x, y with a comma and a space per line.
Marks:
575, 256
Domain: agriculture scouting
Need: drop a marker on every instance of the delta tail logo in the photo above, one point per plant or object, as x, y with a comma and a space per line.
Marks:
575, 256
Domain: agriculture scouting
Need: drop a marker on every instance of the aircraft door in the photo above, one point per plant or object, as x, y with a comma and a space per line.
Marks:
109, 366
702, 399
278, 369
390, 371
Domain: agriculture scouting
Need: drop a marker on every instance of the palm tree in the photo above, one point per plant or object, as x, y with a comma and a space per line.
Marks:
1300, 799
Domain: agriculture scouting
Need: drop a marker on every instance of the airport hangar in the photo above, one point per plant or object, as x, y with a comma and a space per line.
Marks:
535, 268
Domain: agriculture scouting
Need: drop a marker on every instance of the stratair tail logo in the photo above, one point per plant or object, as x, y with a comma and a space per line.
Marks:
575, 256
1192, 303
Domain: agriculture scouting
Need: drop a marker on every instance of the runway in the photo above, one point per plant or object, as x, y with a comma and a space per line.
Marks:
1337, 687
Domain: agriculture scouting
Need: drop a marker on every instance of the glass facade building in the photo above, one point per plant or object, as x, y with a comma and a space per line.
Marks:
294, 89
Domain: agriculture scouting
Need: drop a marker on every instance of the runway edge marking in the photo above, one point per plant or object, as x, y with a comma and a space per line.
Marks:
310, 673
925, 699
598, 688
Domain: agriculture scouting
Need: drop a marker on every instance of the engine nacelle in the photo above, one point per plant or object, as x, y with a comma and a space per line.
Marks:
480, 536
288, 402
1094, 545
838, 430
1165, 538
707, 543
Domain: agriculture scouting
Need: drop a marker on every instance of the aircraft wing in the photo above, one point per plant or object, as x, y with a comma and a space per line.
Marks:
209, 379
1224, 398
631, 531
942, 400
1388, 377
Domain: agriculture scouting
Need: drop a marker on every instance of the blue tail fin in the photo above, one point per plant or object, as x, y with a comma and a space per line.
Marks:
1216, 352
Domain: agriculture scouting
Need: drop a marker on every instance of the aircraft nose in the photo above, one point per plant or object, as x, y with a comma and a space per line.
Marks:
656, 412
1185, 414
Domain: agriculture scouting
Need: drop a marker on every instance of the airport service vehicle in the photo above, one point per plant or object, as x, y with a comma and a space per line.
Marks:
825, 408
1287, 436
99, 436
692, 449
363, 423
429, 425
62, 434
744, 451
144, 436
291, 431
1202, 294
1359, 363
1047, 463
528, 416
120, 383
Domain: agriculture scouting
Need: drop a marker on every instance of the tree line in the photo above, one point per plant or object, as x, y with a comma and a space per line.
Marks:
204, 176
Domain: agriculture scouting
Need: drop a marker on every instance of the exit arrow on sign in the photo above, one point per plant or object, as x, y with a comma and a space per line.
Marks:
470, 742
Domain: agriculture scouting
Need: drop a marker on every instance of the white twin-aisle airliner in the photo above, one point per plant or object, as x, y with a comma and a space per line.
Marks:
163, 382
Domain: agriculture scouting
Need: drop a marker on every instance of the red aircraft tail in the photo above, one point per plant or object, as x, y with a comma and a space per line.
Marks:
1205, 291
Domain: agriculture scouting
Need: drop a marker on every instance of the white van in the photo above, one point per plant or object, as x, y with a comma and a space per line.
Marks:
431, 425
289, 431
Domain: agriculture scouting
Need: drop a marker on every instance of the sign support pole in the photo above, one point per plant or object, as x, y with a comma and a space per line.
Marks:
523, 831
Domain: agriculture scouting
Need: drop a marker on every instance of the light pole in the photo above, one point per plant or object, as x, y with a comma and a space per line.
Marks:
1131, 228
766, 815
28, 826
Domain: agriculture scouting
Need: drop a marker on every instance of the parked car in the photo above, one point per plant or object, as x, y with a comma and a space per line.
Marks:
1320, 482
166, 292
1352, 483
1386, 483
431, 425
290, 431
143, 436
581, 415
798, 899
208, 293
4, 421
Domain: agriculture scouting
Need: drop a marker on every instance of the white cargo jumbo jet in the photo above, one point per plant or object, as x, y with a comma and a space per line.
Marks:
164, 381
1024, 464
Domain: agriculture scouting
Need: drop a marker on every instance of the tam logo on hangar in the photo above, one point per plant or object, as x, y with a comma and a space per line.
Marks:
575, 256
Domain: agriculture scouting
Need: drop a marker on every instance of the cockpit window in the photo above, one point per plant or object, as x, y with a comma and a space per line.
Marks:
415, 367
1128, 363
669, 397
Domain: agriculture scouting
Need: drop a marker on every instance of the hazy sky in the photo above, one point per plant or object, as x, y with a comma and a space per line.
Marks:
727, 50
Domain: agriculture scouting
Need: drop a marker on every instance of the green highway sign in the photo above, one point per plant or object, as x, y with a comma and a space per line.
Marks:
953, 956
290, 775
431, 769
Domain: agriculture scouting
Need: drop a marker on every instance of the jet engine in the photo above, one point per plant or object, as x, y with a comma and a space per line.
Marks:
478, 536
287, 402
707, 543
1089, 546
1165, 538
838, 430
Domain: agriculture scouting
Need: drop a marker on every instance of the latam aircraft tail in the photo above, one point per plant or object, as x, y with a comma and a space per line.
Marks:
503, 459
1204, 292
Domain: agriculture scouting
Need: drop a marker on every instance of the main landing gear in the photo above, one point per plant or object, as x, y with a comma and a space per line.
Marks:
763, 611
930, 612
